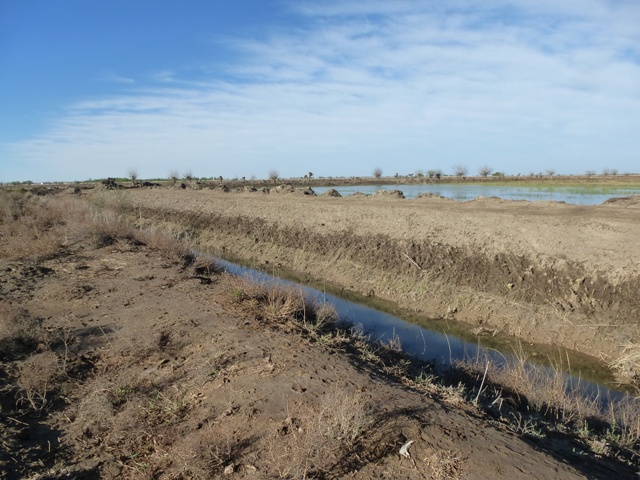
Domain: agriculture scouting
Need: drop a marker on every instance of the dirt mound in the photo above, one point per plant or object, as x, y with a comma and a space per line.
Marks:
632, 201
332, 192
284, 188
306, 191
388, 194
430, 196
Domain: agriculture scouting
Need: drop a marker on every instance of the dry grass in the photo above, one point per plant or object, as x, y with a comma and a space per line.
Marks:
35, 226
18, 330
542, 389
628, 363
283, 305
312, 440
532, 398
443, 464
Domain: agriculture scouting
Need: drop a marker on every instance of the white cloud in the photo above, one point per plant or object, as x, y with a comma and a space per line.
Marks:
522, 86
112, 77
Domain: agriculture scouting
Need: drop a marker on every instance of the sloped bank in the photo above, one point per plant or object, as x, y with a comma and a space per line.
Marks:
550, 273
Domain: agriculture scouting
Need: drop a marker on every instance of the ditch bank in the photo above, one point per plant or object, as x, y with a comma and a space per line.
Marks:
540, 271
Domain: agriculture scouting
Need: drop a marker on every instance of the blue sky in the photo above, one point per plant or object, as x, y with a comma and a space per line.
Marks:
237, 88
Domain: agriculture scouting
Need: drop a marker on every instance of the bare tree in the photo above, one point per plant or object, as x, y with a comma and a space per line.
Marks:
550, 171
174, 176
273, 175
133, 175
377, 172
485, 171
188, 175
460, 170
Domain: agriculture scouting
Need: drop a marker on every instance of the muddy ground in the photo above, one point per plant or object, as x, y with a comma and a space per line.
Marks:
121, 358
546, 272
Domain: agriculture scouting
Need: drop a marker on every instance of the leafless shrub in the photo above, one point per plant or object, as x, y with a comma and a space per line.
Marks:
133, 175
324, 314
485, 171
377, 172
35, 378
273, 175
460, 170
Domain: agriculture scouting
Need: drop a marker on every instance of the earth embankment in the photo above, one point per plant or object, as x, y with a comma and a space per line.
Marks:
542, 271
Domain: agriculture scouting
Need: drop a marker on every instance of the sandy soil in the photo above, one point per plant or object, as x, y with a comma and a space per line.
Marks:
544, 271
165, 375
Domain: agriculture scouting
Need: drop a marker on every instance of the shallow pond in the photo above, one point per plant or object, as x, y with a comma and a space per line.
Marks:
436, 341
577, 195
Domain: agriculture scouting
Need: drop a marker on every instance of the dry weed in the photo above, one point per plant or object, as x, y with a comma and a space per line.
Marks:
283, 303
18, 330
443, 464
343, 416
628, 363
313, 440
545, 390
35, 379
170, 245
624, 418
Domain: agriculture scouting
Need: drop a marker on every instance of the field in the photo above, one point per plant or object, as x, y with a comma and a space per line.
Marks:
125, 356
550, 273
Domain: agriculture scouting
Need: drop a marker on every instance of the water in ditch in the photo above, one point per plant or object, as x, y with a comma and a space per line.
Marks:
434, 341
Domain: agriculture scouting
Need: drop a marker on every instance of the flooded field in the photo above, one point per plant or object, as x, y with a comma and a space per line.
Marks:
578, 195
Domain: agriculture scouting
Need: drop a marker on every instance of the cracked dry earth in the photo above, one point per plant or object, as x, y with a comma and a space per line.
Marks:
168, 376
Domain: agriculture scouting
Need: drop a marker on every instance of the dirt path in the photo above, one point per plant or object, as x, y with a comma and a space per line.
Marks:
543, 271
168, 377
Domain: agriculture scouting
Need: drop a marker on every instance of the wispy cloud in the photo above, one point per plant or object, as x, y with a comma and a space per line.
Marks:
115, 78
404, 85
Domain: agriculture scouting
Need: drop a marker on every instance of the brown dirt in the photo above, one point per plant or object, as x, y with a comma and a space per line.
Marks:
547, 272
163, 373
